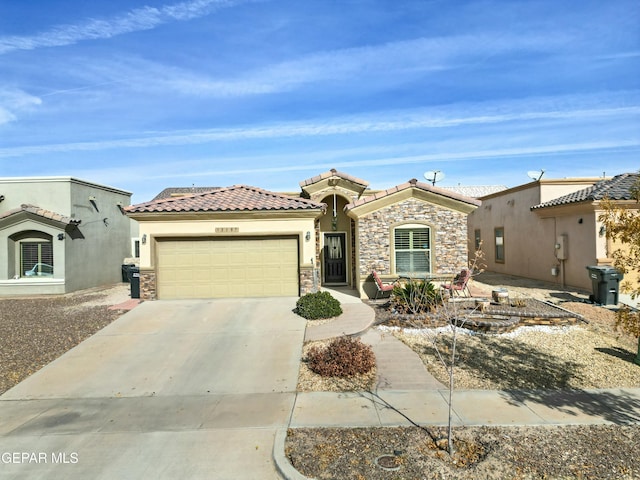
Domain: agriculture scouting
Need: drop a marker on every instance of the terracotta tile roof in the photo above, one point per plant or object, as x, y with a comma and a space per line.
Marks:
333, 173
181, 191
41, 212
237, 198
616, 188
413, 183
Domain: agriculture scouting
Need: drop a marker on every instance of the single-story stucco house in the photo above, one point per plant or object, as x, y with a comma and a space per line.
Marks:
549, 229
243, 241
61, 234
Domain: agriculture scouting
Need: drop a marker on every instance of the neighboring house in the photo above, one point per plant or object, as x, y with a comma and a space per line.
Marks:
61, 234
548, 229
244, 241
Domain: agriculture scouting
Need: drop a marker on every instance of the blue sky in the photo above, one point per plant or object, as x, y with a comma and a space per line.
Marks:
143, 95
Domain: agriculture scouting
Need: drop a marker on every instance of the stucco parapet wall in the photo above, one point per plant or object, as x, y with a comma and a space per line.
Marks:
412, 189
62, 179
542, 183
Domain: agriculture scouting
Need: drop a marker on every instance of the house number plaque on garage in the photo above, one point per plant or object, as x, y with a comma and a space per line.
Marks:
227, 229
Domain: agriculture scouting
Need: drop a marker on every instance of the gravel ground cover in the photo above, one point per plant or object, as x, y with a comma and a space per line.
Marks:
584, 355
35, 331
588, 354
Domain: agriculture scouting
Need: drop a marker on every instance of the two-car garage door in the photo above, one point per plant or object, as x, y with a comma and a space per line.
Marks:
227, 267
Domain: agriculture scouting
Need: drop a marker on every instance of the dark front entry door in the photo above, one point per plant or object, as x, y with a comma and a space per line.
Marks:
335, 264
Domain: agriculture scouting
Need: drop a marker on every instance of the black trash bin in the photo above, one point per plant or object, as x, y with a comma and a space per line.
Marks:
126, 267
606, 284
134, 278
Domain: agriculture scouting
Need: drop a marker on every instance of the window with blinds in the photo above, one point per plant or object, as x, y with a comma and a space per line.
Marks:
412, 246
36, 254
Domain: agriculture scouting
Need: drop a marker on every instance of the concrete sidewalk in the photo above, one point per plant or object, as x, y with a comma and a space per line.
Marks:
387, 408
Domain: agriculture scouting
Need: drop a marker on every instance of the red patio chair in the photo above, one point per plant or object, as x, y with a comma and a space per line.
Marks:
460, 284
381, 288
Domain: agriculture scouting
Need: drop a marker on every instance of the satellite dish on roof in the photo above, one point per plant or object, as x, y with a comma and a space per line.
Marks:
535, 174
434, 176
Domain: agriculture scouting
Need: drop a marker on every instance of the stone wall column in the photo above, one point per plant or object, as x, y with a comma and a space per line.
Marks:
309, 280
148, 287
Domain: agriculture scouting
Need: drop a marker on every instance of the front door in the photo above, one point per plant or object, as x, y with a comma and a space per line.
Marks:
335, 263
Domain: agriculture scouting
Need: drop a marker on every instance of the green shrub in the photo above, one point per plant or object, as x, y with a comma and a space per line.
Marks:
415, 297
318, 305
343, 357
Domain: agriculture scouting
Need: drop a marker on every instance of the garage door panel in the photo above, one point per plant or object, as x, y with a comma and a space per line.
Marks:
215, 268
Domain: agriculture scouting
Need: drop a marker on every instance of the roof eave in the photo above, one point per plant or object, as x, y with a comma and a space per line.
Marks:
227, 214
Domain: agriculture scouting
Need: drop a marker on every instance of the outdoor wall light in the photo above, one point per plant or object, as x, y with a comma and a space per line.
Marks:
61, 236
307, 237
144, 238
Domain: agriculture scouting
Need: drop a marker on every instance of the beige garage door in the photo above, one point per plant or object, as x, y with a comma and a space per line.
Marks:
227, 267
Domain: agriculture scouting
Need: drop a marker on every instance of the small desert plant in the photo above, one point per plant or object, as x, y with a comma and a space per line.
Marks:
317, 305
415, 297
343, 357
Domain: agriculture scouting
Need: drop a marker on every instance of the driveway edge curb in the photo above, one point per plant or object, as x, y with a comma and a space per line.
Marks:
283, 465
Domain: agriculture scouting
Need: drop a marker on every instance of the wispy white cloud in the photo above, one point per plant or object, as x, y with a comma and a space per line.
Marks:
386, 62
621, 105
396, 59
145, 18
13, 101
202, 171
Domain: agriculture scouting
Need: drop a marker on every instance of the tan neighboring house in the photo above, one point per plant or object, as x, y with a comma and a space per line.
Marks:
548, 229
243, 241
61, 234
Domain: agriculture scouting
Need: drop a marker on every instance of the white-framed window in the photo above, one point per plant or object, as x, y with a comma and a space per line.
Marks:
36, 258
412, 249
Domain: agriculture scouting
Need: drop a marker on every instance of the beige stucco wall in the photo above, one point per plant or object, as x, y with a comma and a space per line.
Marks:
530, 237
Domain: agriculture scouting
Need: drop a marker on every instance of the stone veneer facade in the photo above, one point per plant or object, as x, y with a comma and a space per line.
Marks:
148, 285
309, 282
449, 236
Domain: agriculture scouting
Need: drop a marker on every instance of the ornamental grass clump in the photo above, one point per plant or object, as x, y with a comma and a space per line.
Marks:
313, 306
343, 357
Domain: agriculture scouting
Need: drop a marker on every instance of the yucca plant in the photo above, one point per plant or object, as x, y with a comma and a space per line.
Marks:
415, 296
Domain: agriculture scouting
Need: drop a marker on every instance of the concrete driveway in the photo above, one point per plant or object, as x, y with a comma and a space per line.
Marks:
172, 389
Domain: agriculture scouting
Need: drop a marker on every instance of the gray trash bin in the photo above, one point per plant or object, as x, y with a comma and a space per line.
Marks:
605, 282
134, 278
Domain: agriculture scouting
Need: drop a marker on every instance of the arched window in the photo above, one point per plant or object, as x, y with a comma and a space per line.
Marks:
412, 249
35, 250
